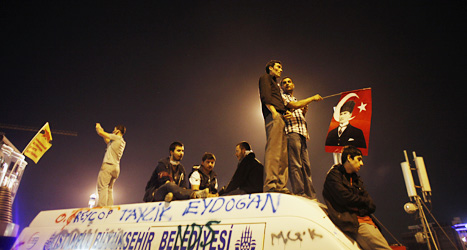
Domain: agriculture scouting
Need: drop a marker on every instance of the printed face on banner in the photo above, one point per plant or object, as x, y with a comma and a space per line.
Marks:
350, 124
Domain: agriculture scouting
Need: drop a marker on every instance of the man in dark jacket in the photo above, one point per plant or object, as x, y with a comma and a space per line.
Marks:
203, 176
248, 178
349, 204
168, 181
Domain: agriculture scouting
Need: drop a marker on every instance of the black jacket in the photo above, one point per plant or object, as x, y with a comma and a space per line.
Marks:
346, 198
164, 172
248, 176
351, 136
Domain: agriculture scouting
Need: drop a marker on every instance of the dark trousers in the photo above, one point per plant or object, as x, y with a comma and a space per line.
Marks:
299, 166
237, 191
275, 156
178, 192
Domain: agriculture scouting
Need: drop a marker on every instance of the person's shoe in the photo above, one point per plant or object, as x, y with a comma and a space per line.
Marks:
169, 197
285, 191
275, 190
303, 195
200, 194
212, 195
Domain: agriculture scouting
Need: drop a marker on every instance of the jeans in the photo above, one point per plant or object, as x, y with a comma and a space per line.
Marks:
299, 166
170, 187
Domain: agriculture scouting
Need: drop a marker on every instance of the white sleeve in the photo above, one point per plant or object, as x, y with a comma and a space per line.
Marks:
113, 137
195, 178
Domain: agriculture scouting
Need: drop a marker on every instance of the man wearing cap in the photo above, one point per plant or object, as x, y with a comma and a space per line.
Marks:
346, 134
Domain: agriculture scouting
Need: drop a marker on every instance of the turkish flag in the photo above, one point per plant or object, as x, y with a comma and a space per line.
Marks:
350, 123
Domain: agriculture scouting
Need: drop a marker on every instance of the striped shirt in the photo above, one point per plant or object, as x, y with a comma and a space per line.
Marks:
298, 123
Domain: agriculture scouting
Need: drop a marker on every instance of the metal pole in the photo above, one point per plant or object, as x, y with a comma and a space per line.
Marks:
422, 218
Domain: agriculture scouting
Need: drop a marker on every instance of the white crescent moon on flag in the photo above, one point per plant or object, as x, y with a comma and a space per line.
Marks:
339, 105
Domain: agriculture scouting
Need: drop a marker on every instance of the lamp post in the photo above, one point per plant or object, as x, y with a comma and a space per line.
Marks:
12, 165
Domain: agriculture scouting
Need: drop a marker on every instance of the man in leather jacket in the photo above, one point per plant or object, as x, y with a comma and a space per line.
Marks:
349, 204
168, 181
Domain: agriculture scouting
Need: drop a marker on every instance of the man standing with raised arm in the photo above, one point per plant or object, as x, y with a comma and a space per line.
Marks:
110, 168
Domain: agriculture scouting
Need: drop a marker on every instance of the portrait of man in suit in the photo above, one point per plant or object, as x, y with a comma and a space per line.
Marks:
345, 134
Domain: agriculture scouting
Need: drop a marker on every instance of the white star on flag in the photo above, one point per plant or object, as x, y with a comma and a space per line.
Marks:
362, 107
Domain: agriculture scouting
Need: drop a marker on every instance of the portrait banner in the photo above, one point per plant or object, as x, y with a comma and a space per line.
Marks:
350, 123
41, 142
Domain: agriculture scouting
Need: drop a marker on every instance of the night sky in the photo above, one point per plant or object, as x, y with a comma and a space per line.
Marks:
189, 70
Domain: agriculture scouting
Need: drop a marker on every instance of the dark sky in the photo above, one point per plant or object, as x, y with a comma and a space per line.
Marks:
189, 70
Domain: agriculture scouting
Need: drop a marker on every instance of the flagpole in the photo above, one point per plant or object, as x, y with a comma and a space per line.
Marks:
35, 137
32, 129
333, 95
343, 92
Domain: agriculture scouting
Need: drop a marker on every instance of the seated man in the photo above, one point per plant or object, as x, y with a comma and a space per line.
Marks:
248, 178
168, 179
349, 204
203, 176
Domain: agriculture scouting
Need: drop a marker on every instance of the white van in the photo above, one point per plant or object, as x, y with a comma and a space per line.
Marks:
241, 222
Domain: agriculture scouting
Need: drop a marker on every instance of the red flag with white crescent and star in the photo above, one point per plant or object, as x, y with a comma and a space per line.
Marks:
350, 123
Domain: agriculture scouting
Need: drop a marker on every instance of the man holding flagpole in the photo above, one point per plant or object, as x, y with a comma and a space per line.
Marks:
297, 136
110, 168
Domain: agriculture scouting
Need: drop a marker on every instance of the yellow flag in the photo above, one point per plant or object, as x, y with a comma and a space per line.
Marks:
39, 144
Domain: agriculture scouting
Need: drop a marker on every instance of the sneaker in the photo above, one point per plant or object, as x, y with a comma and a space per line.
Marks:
212, 195
169, 196
284, 191
200, 194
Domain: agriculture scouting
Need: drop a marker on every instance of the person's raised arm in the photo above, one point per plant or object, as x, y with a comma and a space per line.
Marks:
302, 103
100, 131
